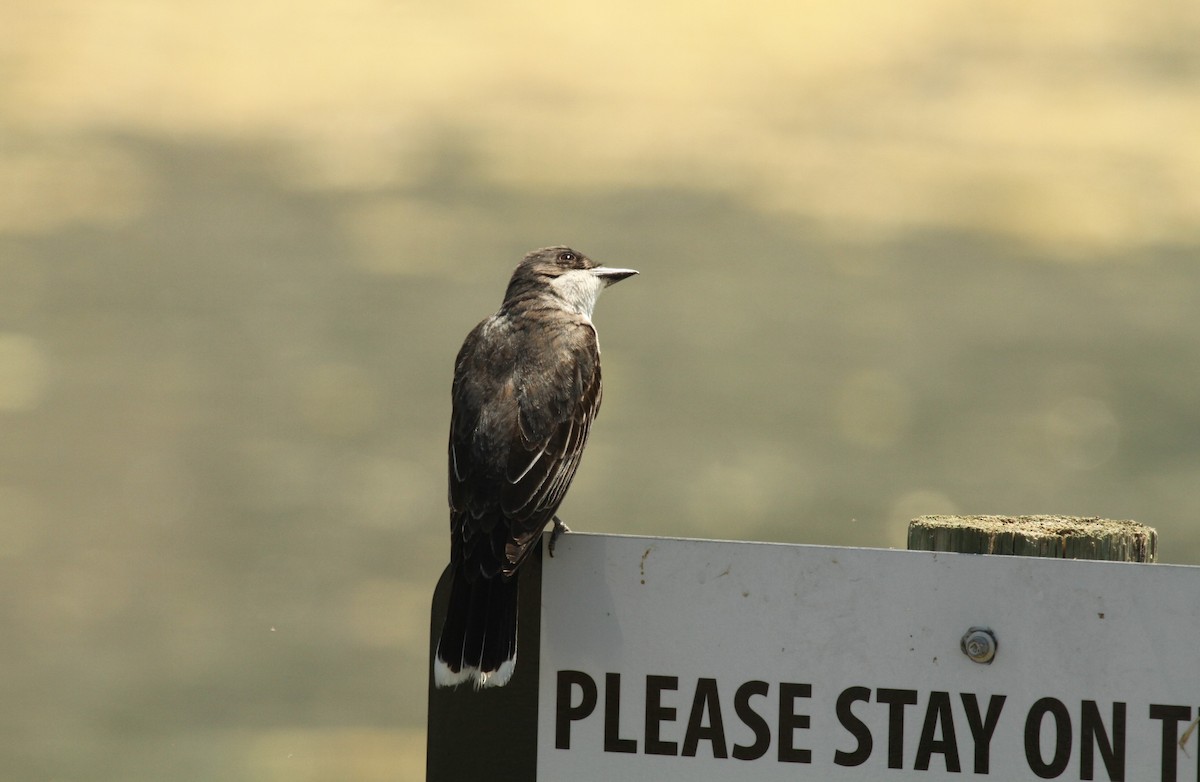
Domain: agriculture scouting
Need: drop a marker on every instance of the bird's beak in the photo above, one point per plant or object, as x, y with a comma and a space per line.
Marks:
611, 276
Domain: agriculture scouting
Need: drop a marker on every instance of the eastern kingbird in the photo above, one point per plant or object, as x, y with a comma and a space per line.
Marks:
526, 388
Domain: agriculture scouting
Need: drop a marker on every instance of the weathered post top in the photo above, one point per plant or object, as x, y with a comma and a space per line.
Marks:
1056, 537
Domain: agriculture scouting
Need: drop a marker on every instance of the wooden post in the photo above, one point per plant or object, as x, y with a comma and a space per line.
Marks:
1056, 537
491, 733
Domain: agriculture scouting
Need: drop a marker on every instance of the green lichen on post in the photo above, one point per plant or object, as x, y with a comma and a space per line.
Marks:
1058, 537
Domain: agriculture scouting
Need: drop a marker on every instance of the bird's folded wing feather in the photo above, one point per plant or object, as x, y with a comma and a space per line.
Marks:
495, 519
553, 437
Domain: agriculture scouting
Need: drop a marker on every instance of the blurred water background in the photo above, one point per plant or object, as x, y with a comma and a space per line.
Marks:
897, 259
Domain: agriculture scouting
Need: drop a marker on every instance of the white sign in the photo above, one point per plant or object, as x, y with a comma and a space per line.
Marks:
665, 659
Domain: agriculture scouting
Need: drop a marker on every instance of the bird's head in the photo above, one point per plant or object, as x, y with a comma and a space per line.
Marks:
566, 274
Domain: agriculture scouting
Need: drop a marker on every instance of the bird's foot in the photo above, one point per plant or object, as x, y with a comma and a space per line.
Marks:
556, 533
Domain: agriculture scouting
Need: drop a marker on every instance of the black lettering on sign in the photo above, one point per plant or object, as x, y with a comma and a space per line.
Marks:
1171, 716
656, 713
937, 713
1092, 736
896, 701
752, 720
707, 702
1062, 738
612, 717
790, 721
858, 729
564, 712
982, 729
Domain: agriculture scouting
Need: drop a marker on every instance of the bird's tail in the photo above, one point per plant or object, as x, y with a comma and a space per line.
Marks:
479, 637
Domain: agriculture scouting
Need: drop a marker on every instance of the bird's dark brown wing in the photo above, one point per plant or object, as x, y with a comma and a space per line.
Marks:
538, 416
465, 410
539, 479
481, 424
552, 439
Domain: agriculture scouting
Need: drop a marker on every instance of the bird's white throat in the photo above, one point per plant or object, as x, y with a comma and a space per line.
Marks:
578, 289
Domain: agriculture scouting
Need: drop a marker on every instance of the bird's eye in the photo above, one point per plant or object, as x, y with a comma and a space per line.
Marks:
566, 257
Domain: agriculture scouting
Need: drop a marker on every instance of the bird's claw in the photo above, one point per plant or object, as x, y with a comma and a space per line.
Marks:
556, 533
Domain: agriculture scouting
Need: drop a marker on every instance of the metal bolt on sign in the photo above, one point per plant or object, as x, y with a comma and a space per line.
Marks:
980, 645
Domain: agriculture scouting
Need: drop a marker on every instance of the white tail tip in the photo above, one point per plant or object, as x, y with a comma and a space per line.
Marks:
444, 677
